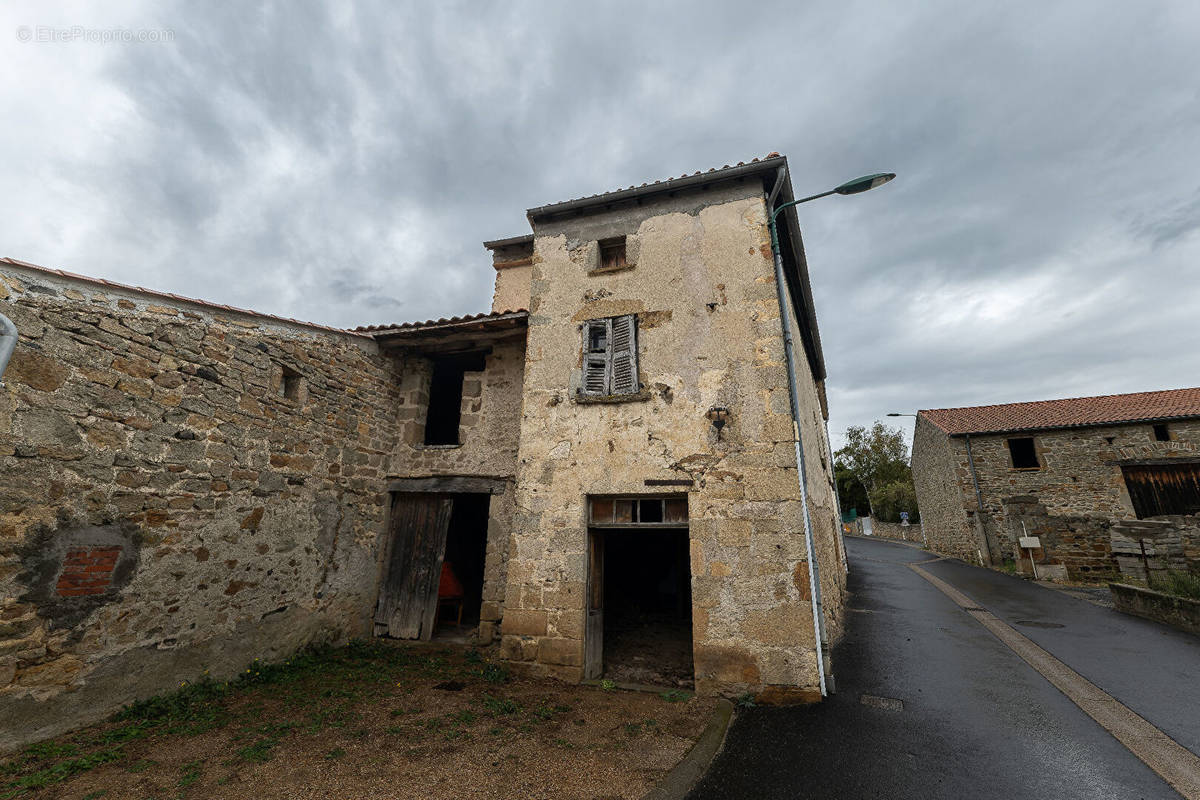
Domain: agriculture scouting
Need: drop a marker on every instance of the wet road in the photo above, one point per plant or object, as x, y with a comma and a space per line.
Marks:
977, 721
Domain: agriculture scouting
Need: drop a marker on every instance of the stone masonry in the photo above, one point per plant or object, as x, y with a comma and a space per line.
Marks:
183, 491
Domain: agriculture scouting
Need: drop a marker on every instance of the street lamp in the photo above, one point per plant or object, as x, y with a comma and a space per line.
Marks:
849, 187
894, 414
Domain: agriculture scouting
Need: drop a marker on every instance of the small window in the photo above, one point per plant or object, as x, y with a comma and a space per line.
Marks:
650, 511
612, 254
610, 357
1024, 454
1161, 434
290, 384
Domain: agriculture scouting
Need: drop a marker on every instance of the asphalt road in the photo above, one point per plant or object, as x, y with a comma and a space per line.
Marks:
977, 722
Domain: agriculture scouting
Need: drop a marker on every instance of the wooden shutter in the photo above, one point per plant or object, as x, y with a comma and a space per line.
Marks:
623, 347
595, 359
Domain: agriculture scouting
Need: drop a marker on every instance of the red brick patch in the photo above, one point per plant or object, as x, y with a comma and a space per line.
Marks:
87, 570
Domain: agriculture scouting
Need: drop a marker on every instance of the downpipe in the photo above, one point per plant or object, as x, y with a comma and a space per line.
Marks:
814, 573
8, 343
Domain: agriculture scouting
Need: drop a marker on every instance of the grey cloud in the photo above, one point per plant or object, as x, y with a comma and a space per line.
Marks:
342, 163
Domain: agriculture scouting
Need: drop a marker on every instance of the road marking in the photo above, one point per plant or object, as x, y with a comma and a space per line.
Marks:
1173, 762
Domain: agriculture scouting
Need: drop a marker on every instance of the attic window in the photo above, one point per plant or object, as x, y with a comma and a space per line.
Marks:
612, 254
1161, 434
1023, 452
290, 384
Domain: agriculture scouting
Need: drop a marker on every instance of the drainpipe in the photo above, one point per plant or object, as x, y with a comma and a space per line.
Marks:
8, 342
814, 575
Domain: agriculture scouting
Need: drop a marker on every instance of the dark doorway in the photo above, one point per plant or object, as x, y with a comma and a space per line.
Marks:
445, 396
466, 553
1158, 489
647, 606
435, 565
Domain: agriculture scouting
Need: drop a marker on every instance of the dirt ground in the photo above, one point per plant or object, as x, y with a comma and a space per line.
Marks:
655, 650
374, 720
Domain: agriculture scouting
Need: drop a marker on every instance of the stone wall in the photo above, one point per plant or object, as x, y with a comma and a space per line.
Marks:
945, 494
894, 530
1073, 546
704, 293
182, 489
1169, 542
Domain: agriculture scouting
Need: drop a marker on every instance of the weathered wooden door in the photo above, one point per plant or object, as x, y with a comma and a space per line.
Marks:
593, 635
1157, 489
408, 595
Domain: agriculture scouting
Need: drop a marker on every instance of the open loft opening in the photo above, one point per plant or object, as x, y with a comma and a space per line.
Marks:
446, 394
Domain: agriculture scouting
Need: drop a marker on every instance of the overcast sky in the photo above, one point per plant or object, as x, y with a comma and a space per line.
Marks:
342, 164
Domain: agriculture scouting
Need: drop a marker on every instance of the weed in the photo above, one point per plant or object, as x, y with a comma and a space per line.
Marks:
746, 700
335, 753
141, 765
258, 752
61, 770
191, 773
675, 696
473, 656
608, 685
497, 706
494, 673
96, 795
1179, 584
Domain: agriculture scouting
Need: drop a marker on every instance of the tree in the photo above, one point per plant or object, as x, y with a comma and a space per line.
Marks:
875, 455
876, 458
851, 492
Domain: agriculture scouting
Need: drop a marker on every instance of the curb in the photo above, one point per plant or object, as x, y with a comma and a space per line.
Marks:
680, 780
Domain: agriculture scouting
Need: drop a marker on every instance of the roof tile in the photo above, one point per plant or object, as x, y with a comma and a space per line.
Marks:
1068, 413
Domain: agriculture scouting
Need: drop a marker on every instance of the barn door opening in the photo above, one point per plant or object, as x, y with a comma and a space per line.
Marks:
409, 591
460, 591
639, 611
1158, 489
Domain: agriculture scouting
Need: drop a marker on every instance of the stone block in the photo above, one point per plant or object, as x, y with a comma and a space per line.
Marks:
524, 622
568, 652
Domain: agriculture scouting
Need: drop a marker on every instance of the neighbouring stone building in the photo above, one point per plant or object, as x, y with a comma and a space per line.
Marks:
1105, 483
604, 463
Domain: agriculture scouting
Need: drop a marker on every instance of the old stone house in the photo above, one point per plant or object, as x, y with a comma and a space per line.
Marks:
1096, 479
606, 461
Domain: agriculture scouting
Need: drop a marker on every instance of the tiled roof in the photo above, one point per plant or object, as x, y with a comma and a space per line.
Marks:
169, 296
770, 160
516, 313
1073, 412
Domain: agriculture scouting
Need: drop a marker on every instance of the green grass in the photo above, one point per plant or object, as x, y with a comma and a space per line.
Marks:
1179, 584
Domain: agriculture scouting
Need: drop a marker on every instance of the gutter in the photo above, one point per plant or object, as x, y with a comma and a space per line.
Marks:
814, 574
8, 343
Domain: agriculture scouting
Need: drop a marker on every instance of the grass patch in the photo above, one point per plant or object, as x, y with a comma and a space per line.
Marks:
1178, 584
675, 696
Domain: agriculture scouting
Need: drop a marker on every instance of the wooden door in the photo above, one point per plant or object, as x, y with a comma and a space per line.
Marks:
408, 596
593, 635
1157, 489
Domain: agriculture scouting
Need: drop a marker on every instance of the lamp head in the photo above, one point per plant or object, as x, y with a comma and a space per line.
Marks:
864, 183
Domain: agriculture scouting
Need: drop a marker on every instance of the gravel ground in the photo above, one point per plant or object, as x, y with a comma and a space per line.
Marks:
405, 722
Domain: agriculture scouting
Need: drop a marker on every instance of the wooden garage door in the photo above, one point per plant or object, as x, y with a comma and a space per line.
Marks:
408, 596
1157, 489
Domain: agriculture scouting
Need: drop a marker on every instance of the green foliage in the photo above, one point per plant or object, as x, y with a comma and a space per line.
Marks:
889, 499
497, 706
675, 695
746, 700
494, 673
874, 463
608, 685
1179, 584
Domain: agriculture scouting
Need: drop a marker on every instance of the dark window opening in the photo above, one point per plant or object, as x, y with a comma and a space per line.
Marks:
460, 591
647, 610
1024, 454
289, 387
1161, 434
612, 254
445, 397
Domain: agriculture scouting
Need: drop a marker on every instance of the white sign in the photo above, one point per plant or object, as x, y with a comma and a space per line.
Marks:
1031, 542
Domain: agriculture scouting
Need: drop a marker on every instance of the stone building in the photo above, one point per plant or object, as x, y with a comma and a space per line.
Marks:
1094, 478
606, 461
